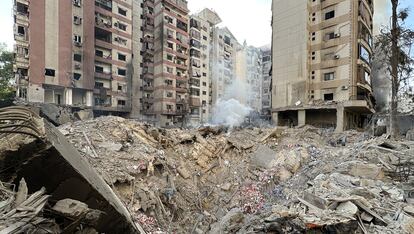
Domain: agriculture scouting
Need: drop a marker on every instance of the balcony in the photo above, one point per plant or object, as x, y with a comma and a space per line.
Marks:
181, 89
148, 100
105, 4
148, 88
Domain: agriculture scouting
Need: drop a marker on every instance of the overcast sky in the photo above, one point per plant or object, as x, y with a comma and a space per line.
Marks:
247, 19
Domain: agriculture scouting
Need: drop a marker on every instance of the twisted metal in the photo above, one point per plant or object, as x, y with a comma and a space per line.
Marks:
20, 120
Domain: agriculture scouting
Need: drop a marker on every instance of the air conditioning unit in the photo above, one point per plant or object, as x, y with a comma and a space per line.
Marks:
337, 56
344, 87
337, 35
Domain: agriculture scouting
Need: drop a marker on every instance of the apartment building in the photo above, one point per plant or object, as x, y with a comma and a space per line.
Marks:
266, 113
166, 63
222, 61
249, 72
75, 53
322, 62
199, 101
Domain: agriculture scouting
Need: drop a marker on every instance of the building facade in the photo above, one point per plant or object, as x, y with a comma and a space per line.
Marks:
75, 53
321, 63
165, 62
266, 112
222, 61
249, 72
199, 71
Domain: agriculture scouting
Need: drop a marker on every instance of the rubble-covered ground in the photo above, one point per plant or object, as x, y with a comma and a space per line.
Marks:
252, 180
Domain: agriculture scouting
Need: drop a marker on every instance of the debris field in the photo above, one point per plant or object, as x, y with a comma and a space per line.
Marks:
251, 180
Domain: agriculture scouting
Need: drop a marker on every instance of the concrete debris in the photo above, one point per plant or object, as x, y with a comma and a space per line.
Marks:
240, 180
410, 135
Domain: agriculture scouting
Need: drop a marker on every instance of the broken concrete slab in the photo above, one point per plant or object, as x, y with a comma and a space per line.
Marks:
71, 208
263, 157
347, 208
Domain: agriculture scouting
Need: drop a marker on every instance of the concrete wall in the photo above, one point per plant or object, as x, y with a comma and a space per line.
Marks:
290, 52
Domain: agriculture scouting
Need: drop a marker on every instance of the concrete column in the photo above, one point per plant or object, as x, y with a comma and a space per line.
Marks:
89, 98
301, 118
275, 118
68, 96
340, 118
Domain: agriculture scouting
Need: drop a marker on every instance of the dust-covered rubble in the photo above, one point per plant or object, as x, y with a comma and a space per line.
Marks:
219, 180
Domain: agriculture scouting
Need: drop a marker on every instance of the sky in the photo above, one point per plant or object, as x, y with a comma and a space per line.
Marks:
247, 19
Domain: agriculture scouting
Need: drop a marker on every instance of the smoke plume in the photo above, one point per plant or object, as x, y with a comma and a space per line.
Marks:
231, 110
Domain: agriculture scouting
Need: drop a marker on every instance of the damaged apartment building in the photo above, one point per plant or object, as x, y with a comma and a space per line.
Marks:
75, 53
321, 63
144, 59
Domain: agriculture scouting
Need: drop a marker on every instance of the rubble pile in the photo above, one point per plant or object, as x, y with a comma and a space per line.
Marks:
219, 180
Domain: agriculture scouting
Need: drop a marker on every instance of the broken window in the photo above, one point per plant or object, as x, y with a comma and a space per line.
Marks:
77, 39
329, 15
122, 11
169, 57
121, 26
121, 102
121, 72
50, 72
120, 88
77, 20
99, 85
76, 76
121, 57
328, 97
329, 76
99, 53
77, 3
21, 30
77, 57
99, 69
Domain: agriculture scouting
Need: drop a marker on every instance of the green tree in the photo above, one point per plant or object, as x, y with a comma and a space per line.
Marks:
6, 73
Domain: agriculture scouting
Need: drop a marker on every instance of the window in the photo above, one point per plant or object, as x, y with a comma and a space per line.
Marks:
328, 97
77, 3
170, 45
204, 74
99, 53
364, 54
121, 72
20, 30
329, 76
77, 39
99, 69
76, 76
204, 92
121, 57
330, 36
77, 57
123, 27
77, 20
367, 77
169, 57
99, 85
120, 88
205, 38
204, 84
122, 11
170, 70
121, 102
49, 72
329, 15
169, 94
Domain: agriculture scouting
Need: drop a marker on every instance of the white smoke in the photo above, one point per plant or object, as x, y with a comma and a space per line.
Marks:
231, 110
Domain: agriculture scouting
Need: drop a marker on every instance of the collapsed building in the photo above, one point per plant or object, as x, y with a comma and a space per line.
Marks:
58, 191
321, 63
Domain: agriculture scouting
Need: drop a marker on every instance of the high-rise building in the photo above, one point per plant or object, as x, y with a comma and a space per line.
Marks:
249, 72
75, 53
222, 61
165, 62
321, 62
266, 113
199, 70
